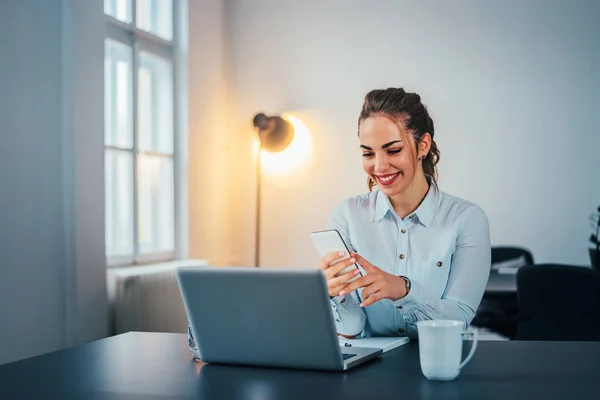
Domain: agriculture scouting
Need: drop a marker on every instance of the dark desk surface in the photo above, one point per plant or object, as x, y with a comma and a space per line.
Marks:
159, 366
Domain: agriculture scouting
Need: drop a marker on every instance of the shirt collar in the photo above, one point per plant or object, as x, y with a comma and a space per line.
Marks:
424, 212
382, 206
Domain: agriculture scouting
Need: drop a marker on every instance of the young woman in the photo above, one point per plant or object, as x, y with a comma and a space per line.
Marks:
424, 254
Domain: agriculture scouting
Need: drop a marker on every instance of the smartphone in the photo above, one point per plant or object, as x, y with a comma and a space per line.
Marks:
331, 241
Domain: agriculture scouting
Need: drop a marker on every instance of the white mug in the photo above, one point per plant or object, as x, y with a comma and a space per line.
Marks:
440, 348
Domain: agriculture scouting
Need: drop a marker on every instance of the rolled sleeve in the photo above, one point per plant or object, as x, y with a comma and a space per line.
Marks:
416, 298
349, 317
466, 283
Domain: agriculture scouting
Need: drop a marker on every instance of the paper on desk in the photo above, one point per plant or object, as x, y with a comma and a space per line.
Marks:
507, 270
509, 266
384, 343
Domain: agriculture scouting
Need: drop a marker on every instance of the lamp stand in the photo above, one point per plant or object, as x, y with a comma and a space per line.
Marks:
257, 233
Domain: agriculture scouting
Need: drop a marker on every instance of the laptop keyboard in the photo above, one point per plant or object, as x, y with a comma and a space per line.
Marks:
346, 356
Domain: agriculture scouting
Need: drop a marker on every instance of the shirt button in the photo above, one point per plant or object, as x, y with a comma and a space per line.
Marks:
399, 307
401, 330
403, 230
439, 264
402, 256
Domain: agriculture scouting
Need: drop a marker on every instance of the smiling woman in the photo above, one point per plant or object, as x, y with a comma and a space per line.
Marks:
402, 118
424, 254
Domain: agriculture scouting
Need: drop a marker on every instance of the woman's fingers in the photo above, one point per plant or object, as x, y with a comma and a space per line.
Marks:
338, 266
341, 265
373, 297
330, 258
342, 279
371, 289
357, 284
332, 264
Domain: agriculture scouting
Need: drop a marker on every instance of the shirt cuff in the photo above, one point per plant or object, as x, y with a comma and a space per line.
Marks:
349, 317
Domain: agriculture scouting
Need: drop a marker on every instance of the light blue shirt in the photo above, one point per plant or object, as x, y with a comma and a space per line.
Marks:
443, 248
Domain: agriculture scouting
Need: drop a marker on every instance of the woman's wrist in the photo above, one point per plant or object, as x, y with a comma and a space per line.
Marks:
404, 286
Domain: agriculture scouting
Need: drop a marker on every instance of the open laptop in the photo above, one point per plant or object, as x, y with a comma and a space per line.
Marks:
265, 317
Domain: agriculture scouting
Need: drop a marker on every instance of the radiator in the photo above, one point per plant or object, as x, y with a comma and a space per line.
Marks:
147, 298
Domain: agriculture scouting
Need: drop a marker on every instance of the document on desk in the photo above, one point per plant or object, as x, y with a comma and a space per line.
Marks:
384, 343
507, 270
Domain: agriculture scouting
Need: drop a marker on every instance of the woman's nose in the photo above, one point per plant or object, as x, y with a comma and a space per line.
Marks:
381, 164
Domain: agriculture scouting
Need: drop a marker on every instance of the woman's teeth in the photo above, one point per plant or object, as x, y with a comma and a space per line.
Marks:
388, 178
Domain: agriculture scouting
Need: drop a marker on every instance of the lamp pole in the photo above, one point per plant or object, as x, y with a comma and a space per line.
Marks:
257, 233
274, 135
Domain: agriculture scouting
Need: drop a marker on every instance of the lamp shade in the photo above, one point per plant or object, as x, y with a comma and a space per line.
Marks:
274, 133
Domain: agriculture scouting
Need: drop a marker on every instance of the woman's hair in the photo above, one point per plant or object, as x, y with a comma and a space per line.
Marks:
413, 120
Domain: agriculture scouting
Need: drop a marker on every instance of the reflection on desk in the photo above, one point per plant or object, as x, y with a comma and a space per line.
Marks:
232, 382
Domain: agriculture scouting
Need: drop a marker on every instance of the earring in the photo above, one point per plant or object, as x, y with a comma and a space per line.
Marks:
423, 157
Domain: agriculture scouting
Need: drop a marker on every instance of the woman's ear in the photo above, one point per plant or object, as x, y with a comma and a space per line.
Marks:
424, 145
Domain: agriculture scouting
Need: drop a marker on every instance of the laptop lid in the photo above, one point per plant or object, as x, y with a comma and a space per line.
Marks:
265, 317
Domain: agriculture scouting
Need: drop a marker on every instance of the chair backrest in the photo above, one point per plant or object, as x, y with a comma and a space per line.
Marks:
558, 302
500, 254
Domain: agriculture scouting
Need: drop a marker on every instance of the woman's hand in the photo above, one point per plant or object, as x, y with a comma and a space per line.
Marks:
377, 284
330, 264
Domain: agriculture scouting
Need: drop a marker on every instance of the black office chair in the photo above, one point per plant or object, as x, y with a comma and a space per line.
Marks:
499, 313
500, 254
558, 302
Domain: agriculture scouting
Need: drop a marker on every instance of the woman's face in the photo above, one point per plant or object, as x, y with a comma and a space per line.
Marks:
387, 159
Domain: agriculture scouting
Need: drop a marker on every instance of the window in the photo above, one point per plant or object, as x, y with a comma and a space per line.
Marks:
139, 134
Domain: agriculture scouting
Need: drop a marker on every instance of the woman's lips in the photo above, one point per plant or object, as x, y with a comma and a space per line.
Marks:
387, 180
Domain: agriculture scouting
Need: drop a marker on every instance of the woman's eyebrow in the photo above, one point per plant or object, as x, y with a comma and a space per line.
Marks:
385, 146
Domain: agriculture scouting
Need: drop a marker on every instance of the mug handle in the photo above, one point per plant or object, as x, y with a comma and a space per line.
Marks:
473, 347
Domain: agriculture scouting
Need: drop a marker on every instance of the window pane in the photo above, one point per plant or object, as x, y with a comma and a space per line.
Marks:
155, 102
156, 17
118, 95
156, 212
119, 9
118, 180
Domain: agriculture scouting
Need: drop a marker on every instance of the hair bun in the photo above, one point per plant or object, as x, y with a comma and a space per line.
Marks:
412, 98
396, 91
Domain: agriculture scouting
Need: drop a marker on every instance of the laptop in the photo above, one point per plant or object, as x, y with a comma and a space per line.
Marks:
265, 317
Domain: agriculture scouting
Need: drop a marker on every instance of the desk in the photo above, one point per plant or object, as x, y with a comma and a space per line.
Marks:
159, 366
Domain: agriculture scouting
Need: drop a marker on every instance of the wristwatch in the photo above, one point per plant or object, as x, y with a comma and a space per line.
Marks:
407, 281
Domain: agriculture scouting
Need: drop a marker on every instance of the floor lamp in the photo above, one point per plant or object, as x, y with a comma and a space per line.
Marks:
274, 135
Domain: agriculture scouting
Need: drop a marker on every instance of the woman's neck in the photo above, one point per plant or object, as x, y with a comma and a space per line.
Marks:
410, 199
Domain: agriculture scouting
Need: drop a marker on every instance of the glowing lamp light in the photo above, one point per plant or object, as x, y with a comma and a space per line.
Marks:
292, 157
284, 145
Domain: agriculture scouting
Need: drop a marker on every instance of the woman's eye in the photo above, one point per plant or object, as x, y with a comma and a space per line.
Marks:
367, 154
395, 151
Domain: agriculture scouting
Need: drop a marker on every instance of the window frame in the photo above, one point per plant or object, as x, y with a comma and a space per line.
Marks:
141, 41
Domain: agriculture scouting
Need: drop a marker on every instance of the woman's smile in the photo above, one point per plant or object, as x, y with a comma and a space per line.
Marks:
388, 179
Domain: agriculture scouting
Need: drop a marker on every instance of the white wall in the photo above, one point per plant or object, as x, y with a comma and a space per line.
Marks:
512, 87
209, 137
52, 285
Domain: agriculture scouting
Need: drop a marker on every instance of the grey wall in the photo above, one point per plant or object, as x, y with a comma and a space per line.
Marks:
32, 231
52, 283
511, 85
